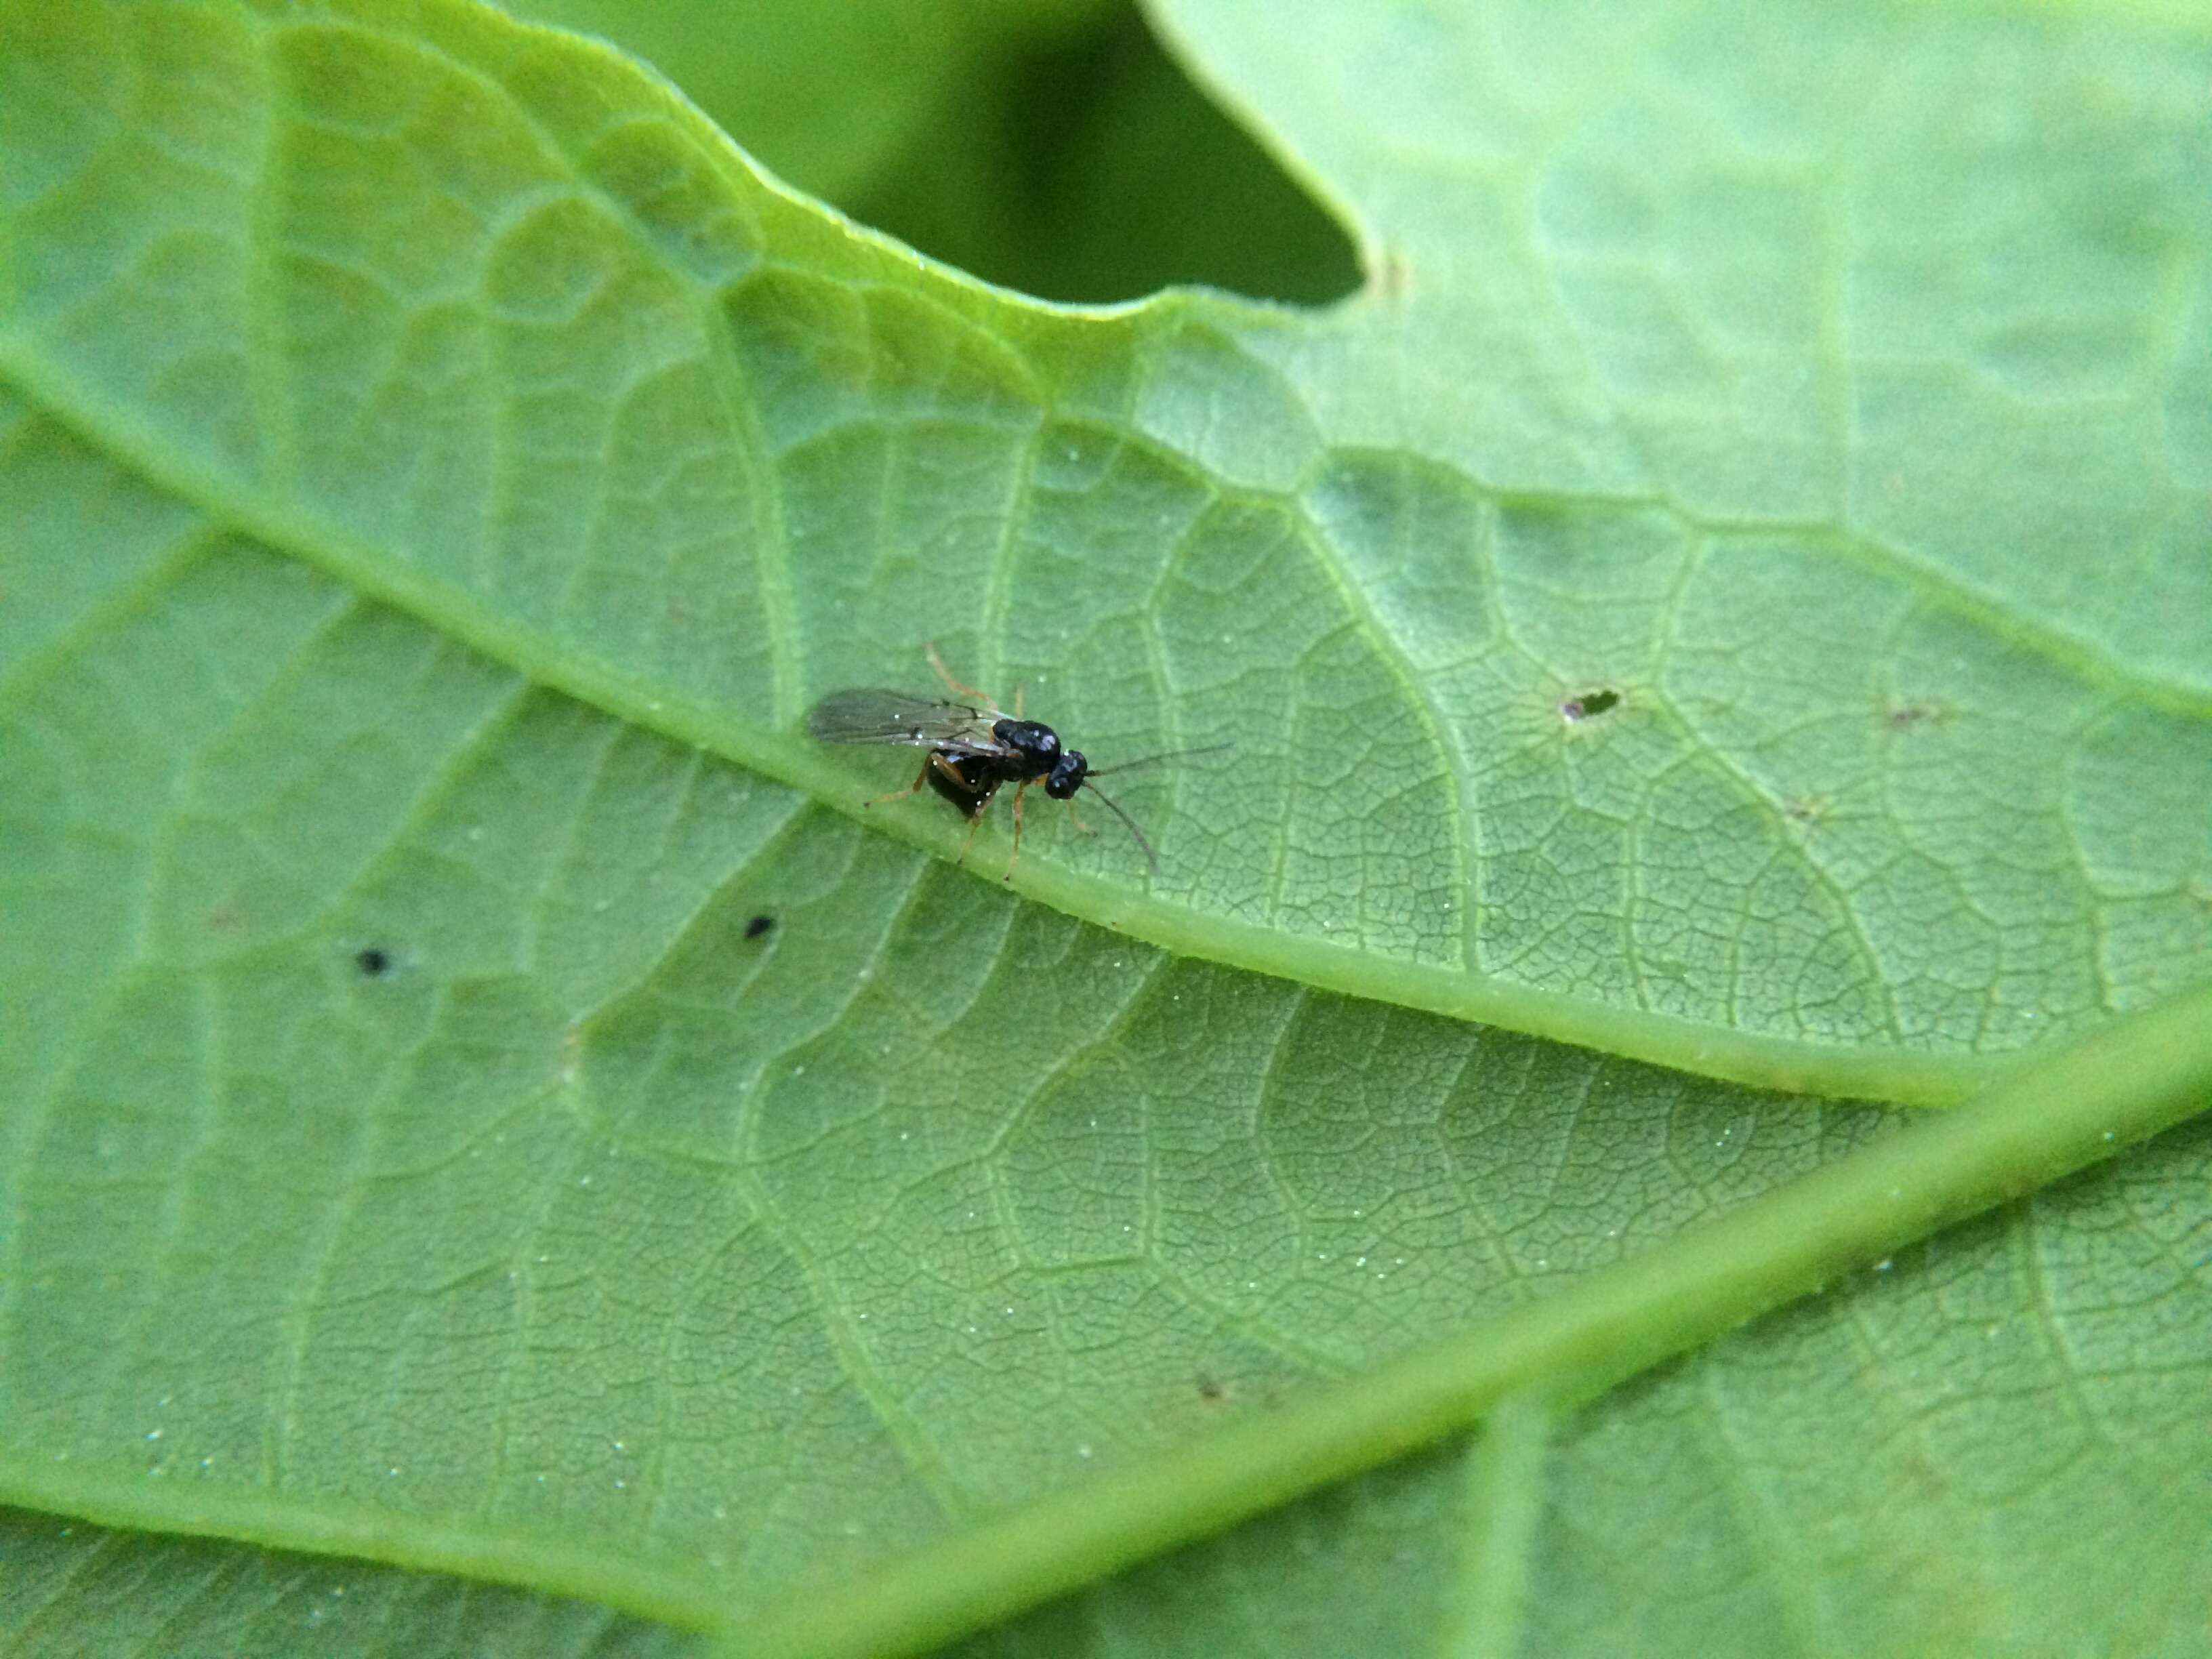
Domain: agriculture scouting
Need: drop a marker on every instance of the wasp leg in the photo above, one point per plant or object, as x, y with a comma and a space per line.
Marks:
975, 823
1014, 858
945, 674
920, 778
1076, 819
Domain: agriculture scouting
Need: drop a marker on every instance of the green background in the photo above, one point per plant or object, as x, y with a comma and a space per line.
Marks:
437, 471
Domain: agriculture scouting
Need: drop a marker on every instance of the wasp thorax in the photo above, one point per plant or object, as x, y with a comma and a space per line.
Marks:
1034, 739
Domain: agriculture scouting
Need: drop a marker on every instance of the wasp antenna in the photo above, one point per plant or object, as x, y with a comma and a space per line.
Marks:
1164, 755
1127, 823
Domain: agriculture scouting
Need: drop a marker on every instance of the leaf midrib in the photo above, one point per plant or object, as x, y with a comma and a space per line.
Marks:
1752, 1058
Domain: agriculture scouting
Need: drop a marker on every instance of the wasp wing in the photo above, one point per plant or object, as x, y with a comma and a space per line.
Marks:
870, 714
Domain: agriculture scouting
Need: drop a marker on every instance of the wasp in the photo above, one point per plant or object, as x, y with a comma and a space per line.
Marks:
975, 749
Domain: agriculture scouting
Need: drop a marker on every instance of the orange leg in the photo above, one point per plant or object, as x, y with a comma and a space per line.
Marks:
920, 778
945, 674
1015, 857
974, 825
1073, 818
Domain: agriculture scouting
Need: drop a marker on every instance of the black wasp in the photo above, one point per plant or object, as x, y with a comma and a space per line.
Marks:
974, 748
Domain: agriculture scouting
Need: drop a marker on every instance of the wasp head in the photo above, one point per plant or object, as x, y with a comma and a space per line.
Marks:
1066, 774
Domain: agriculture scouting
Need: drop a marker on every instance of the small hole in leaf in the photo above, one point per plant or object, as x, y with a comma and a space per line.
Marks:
1588, 706
373, 961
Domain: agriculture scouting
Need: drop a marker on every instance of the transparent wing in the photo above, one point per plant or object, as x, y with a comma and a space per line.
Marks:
870, 714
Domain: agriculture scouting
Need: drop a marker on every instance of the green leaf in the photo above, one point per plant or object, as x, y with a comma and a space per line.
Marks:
437, 471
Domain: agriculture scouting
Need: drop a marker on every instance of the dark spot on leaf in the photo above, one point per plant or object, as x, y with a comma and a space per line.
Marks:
1588, 706
1902, 716
1212, 1389
373, 961
758, 925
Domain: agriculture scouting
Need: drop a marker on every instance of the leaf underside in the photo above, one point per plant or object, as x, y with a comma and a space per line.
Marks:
1732, 594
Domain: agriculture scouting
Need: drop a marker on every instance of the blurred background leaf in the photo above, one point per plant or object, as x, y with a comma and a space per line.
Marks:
1050, 147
